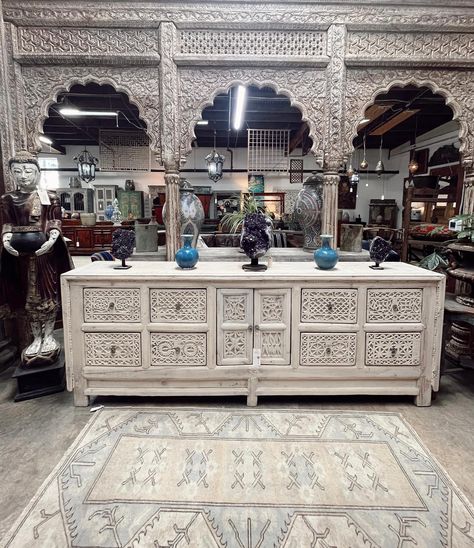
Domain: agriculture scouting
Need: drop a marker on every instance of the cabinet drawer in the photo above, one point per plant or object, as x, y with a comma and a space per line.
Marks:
328, 349
329, 305
179, 349
392, 348
394, 305
178, 305
111, 305
113, 349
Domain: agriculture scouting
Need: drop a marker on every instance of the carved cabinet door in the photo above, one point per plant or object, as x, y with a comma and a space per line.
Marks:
272, 325
234, 326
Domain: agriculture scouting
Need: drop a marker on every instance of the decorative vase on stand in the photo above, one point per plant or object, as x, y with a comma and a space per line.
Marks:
308, 210
187, 256
326, 257
256, 239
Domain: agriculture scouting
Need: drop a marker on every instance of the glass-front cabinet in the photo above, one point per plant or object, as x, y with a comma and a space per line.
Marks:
76, 200
104, 197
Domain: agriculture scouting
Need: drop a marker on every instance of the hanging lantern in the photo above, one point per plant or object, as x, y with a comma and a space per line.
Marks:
215, 163
364, 164
380, 168
413, 166
350, 169
86, 164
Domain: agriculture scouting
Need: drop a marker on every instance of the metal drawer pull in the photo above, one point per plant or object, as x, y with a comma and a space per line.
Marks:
393, 350
177, 349
330, 307
328, 351
111, 306
177, 307
257, 328
113, 349
395, 308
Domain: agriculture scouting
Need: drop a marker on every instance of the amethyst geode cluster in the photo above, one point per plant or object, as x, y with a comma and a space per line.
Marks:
256, 235
123, 242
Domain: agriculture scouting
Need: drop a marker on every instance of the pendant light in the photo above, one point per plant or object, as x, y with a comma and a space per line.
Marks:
364, 164
215, 163
413, 165
350, 169
86, 164
380, 168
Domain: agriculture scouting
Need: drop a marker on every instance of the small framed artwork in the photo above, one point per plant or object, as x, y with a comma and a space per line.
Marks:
256, 183
421, 156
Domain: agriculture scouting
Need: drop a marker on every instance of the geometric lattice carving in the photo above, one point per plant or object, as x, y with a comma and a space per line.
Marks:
178, 349
432, 45
290, 200
113, 349
111, 305
87, 41
235, 344
268, 150
242, 42
235, 308
393, 348
394, 305
121, 150
178, 305
329, 305
296, 170
271, 308
328, 349
272, 344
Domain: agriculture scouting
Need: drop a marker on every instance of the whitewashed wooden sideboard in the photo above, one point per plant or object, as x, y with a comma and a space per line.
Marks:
156, 330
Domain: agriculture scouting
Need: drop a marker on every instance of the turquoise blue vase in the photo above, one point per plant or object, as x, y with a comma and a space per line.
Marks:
187, 256
326, 257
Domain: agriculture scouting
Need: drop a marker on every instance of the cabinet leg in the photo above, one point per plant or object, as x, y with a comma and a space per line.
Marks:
252, 395
80, 399
423, 399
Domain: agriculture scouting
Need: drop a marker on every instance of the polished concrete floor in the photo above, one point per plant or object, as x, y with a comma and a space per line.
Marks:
35, 434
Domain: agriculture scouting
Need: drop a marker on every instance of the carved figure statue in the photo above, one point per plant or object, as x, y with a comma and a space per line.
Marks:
33, 255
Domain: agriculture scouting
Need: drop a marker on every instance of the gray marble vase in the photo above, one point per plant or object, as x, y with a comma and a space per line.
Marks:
308, 211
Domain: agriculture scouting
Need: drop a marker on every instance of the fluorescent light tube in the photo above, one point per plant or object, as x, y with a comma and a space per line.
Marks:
365, 120
239, 107
45, 139
203, 122
77, 112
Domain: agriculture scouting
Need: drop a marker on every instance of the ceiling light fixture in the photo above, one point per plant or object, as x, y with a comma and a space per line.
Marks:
413, 165
364, 164
45, 139
76, 112
380, 168
86, 164
203, 122
239, 107
215, 163
364, 121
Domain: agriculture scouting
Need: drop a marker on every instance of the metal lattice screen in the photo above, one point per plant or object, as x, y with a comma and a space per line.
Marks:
121, 150
268, 150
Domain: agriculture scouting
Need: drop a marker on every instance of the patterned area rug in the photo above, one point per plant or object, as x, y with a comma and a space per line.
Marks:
205, 478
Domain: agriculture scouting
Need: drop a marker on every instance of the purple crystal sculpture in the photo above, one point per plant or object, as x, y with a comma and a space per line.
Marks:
378, 251
256, 239
123, 242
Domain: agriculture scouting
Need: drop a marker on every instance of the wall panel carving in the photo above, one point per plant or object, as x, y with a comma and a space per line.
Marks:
363, 86
198, 88
212, 42
41, 40
398, 45
42, 84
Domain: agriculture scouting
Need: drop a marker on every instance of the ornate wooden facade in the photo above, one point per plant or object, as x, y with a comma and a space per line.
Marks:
172, 59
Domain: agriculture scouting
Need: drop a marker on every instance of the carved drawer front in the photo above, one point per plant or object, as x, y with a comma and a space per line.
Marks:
394, 305
178, 305
329, 305
392, 348
328, 349
178, 349
113, 349
234, 326
111, 305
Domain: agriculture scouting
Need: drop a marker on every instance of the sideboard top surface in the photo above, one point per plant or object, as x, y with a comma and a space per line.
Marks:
229, 271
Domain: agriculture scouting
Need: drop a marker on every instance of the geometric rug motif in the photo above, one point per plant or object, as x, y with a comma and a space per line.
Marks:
238, 478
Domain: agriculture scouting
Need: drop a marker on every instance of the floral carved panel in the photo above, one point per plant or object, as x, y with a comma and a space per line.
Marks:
363, 86
42, 84
306, 89
44, 40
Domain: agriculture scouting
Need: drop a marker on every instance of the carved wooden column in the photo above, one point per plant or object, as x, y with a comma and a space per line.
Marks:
468, 190
330, 188
172, 212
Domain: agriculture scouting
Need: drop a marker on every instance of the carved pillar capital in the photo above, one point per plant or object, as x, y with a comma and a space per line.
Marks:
172, 213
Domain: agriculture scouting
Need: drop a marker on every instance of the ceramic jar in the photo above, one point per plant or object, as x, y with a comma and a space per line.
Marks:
187, 256
326, 257
308, 210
